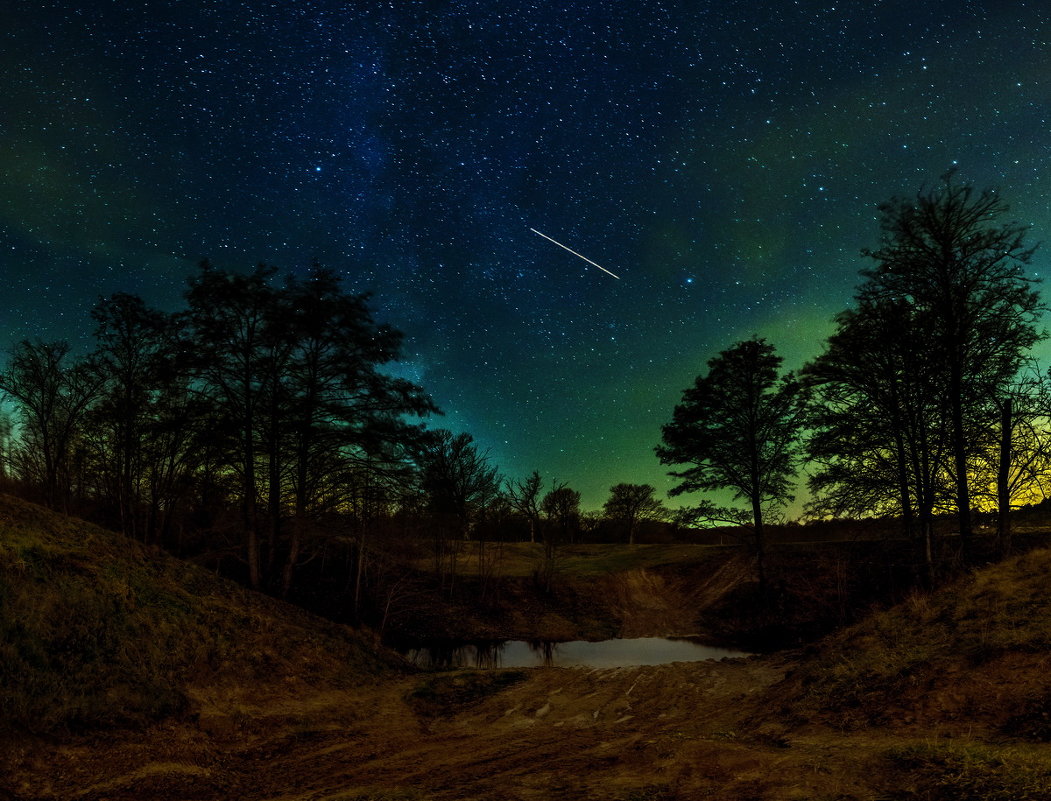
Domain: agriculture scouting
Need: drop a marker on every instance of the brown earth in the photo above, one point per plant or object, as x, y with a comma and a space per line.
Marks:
600, 591
682, 731
671, 731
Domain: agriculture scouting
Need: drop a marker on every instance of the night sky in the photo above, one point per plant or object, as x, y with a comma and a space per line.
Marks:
723, 158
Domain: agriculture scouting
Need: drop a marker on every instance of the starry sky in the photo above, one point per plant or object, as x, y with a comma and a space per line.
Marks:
723, 158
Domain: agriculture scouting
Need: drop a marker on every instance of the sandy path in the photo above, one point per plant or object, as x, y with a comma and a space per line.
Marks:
569, 732
626, 734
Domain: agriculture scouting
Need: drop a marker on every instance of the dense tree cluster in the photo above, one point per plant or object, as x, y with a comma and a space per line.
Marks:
943, 324
259, 430
269, 399
920, 406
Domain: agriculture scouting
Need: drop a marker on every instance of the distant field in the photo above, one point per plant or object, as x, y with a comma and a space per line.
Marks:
521, 559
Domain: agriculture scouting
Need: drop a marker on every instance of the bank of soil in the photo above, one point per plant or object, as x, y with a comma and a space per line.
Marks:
681, 731
708, 592
633, 603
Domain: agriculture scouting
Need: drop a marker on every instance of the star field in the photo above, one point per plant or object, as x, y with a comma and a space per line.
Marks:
725, 159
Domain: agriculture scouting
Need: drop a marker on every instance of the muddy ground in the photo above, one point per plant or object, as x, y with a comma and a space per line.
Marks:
681, 731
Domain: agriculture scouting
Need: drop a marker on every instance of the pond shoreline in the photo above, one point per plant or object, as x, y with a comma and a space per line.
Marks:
609, 653
639, 602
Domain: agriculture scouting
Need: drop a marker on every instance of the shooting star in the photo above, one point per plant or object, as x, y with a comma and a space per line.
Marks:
585, 258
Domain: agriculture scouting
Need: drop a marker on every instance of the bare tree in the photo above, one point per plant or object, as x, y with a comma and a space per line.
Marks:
229, 314
1013, 457
132, 353
460, 483
52, 398
524, 497
879, 438
561, 508
949, 255
630, 504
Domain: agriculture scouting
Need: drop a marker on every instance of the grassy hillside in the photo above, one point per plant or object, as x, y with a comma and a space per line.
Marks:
960, 678
96, 630
969, 650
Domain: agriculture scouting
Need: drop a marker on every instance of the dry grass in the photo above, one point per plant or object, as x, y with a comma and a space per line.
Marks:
936, 654
96, 630
446, 693
947, 771
522, 559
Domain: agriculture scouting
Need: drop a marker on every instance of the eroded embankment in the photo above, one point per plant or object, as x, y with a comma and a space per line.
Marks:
710, 592
659, 600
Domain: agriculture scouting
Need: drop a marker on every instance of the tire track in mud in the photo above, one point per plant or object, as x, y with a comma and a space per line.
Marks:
585, 725
566, 732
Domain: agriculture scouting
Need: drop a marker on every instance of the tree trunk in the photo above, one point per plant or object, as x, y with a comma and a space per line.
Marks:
757, 510
152, 515
248, 511
274, 532
359, 570
760, 544
959, 455
903, 490
1003, 482
294, 544
127, 501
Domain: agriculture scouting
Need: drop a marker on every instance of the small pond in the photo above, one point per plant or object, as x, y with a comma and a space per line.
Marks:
604, 654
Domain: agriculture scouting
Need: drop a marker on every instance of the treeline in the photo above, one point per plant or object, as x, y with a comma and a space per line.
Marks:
259, 429
925, 401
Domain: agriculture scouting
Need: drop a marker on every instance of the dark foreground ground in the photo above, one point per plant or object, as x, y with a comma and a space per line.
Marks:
126, 675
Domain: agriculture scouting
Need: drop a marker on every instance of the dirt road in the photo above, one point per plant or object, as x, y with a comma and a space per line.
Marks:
672, 731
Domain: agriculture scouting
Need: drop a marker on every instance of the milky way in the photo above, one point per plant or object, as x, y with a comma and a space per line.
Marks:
724, 158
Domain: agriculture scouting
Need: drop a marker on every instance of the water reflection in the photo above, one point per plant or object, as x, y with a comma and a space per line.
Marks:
608, 653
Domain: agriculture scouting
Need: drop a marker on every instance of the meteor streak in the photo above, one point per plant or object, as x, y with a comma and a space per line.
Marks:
585, 258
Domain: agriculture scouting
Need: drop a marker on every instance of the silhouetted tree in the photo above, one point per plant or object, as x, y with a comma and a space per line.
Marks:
524, 497
268, 398
1014, 450
948, 253
458, 478
459, 482
178, 447
880, 436
229, 314
630, 504
133, 349
561, 507
301, 406
52, 397
333, 400
738, 428
7, 446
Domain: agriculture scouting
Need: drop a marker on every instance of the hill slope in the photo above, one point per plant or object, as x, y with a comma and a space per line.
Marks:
975, 651
96, 630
